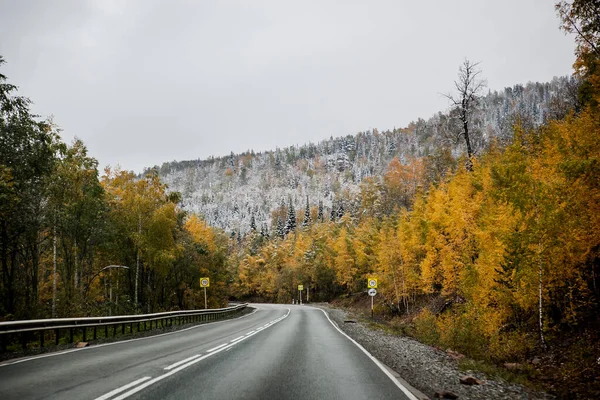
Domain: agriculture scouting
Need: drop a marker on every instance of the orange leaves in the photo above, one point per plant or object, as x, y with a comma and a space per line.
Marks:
479, 237
201, 232
345, 259
402, 182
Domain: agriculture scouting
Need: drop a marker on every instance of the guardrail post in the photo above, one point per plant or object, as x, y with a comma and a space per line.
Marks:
84, 336
95, 333
57, 336
70, 335
42, 338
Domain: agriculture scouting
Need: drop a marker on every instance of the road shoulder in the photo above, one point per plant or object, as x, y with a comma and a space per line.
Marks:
422, 367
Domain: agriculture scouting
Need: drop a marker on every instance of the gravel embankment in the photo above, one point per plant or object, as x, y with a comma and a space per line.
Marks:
424, 367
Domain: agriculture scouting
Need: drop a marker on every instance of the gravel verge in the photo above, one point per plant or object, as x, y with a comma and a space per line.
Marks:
424, 367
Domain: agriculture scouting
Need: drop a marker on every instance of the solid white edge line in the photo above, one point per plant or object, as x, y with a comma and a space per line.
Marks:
249, 333
236, 339
122, 388
123, 341
407, 392
184, 366
178, 363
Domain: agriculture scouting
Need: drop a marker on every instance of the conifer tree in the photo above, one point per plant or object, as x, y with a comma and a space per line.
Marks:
280, 228
290, 224
264, 231
340, 210
307, 218
320, 212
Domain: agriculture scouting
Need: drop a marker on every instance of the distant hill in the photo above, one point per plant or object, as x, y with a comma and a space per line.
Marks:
229, 191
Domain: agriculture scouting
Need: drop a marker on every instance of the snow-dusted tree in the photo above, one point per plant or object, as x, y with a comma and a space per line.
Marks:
320, 212
307, 218
252, 223
280, 228
290, 224
340, 210
264, 231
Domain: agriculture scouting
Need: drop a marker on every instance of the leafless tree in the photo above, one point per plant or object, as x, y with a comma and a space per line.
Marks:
468, 86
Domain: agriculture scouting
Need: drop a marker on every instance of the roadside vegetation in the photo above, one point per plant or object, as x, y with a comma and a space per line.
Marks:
61, 225
494, 255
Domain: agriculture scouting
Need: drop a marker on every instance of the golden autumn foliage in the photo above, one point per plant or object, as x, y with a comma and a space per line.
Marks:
511, 246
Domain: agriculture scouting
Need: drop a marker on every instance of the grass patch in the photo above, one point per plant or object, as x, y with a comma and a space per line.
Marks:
521, 376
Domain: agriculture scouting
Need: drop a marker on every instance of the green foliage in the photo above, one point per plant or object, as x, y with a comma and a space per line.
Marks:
27, 160
56, 213
494, 371
426, 328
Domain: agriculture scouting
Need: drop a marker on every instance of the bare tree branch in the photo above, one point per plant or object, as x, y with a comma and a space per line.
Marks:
468, 87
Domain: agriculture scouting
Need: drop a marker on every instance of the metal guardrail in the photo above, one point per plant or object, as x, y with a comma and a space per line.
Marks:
26, 330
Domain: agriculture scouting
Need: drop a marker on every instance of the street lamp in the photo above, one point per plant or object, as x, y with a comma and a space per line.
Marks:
110, 292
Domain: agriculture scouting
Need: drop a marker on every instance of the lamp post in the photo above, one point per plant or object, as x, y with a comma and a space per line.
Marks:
110, 290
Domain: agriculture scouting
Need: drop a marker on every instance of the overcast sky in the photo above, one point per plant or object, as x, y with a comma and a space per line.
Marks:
144, 82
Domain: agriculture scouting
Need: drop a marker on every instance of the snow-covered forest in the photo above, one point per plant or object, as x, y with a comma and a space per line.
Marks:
243, 190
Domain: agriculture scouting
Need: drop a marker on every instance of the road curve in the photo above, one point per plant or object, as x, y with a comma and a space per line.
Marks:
277, 352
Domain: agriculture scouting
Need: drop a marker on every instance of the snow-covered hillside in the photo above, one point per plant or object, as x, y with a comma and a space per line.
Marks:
229, 191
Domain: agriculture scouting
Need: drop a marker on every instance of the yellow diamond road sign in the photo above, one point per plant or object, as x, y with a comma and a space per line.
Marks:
372, 283
204, 282
300, 287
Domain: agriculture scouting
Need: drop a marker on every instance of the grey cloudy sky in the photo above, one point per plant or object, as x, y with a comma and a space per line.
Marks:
143, 82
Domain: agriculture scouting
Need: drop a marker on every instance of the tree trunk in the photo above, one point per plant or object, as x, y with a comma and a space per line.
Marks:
465, 121
540, 295
76, 265
137, 263
54, 270
6, 280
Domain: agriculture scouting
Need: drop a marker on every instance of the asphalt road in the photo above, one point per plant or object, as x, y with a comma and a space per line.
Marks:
277, 352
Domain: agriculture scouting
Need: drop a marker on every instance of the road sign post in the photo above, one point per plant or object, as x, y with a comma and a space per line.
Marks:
204, 283
372, 285
300, 289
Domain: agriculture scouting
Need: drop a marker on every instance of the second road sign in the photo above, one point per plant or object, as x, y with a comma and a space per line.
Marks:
372, 283
204, 282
